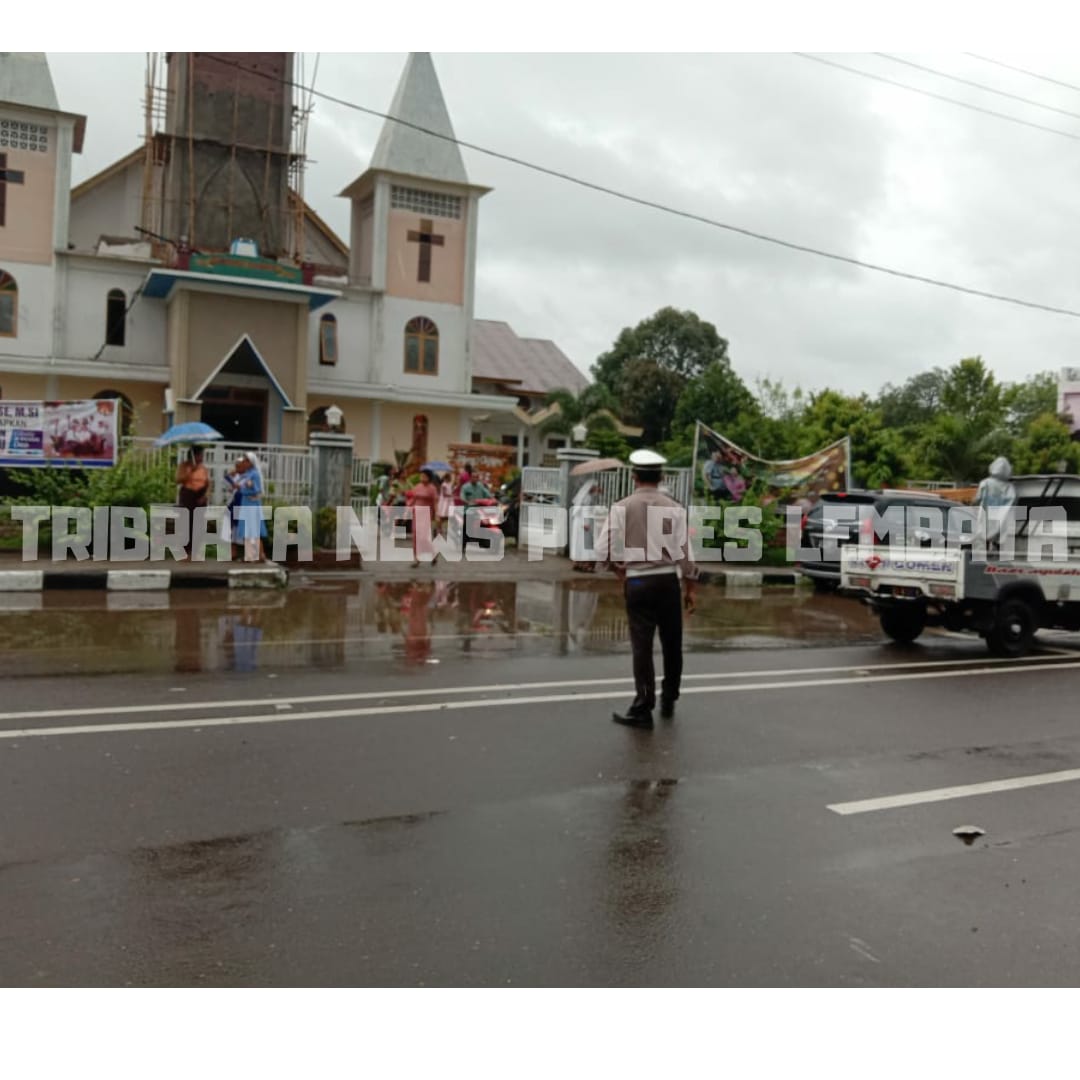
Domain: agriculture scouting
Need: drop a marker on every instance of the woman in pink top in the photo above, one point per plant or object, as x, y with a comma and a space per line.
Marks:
423, 494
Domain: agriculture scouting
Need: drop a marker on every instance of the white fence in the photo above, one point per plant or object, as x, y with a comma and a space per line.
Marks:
616, 484
361, 473
286, 470
540, 481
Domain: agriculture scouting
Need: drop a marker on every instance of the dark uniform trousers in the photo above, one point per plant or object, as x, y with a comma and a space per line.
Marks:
654, 602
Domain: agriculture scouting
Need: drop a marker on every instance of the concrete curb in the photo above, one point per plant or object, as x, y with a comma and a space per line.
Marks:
262, 577
225, 575
137, 581
752, 578
21, 580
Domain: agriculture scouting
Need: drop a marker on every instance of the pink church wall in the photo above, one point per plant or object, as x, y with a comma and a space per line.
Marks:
447, 285
28, 234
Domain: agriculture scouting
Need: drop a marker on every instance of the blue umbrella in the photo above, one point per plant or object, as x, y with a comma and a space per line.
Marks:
436, 466
191, 432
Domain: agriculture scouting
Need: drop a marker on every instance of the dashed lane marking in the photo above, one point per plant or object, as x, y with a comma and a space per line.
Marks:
961, 791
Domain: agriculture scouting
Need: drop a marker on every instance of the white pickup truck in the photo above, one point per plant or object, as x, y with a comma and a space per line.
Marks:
1005, 595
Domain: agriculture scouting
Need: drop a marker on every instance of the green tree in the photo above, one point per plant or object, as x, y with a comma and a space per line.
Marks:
774, 428
956, 449
1046, 446
717, 397
604, 437
878, 458
915, 403
1034, 397
649, 396
679, 342
970, 392
969, 429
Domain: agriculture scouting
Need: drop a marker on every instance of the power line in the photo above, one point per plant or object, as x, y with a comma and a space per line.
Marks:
978, 86
940, 97
1024, 71
652, 205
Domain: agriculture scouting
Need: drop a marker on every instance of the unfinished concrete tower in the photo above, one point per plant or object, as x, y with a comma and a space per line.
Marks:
225, 149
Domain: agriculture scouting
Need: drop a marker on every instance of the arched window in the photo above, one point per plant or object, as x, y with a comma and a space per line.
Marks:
115, 317
9, 305
421, 347
317, 421
328, 340
127, 410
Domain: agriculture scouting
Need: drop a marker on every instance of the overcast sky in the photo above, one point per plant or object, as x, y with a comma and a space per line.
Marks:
770, 142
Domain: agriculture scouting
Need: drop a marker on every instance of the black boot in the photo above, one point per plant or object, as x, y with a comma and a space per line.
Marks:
637, 716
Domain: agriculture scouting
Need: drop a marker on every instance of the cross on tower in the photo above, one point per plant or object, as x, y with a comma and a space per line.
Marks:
7, 176
427, 239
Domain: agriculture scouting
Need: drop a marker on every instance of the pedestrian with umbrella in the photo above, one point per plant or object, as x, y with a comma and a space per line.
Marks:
192, 476
193, 486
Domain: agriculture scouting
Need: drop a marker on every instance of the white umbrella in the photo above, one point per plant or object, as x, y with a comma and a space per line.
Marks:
596, 465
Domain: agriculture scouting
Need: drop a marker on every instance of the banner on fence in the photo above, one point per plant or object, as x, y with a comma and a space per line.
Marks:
491, 465
726, 471
75, 434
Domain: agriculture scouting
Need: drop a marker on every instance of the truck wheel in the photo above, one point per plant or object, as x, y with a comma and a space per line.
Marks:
823, 585
904, 624
1013, 630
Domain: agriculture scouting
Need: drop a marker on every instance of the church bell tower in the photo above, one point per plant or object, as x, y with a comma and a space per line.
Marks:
413, 240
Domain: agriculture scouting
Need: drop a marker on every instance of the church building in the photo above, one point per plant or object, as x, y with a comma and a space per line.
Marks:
191, 279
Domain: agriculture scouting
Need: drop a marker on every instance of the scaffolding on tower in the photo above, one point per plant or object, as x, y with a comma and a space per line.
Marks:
214, 166
302, 110
155, 111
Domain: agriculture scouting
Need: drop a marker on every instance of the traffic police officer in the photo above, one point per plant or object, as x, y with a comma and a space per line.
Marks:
645, 541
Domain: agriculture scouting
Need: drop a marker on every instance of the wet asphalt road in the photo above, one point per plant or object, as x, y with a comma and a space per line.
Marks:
226, 799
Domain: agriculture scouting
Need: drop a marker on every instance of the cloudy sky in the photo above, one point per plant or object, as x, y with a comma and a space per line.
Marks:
771, 142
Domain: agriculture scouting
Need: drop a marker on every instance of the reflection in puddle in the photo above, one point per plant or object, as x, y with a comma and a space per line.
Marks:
332, 623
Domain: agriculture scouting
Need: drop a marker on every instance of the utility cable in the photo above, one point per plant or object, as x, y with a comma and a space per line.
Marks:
653, 205
1024, 71
978, 86
939, 97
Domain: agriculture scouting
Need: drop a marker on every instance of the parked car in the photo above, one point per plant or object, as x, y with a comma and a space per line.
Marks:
823, 522
819, 523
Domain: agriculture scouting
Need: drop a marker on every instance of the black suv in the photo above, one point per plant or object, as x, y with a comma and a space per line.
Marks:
824, 522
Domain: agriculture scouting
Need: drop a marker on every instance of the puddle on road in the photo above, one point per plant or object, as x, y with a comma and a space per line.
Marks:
333, 624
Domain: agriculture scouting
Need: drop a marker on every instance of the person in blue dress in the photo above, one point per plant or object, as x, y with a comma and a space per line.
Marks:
245, 479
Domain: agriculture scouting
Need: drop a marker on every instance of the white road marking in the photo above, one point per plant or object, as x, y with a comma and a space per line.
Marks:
492, 688
487, 703
962, 791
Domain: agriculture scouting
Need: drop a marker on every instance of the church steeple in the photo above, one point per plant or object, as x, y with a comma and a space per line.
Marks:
414, 218
25, 80
404, 150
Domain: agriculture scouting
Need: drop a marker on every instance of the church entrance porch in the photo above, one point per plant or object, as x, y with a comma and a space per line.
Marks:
238, 412
243, 400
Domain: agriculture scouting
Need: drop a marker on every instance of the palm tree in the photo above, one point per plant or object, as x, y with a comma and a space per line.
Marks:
576, 409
